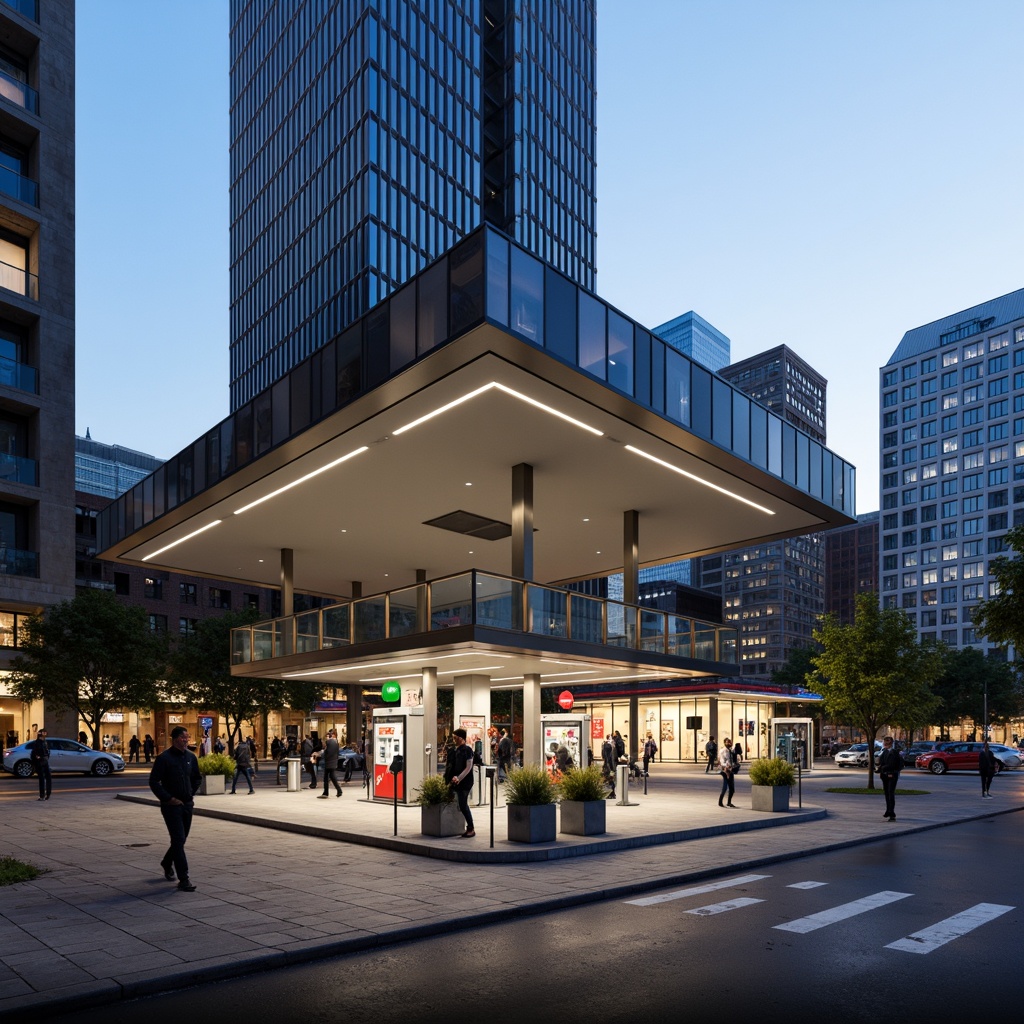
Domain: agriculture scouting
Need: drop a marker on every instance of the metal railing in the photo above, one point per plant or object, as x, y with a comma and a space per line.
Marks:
18, 92
19, 375
17, 185
18, 563
18, 279
484, 599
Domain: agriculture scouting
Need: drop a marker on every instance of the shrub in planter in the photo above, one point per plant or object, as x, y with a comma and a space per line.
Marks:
583, 793
439, 813
434, 791
530, 795
529, 786
582, 784
217, 764
772, 771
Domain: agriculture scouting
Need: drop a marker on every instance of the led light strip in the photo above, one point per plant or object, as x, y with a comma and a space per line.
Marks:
385, 664
447, 672
699, 480
301, 480
508, 391
174, 544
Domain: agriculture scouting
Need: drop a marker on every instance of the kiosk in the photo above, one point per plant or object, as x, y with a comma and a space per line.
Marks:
565, 730
793, 741
396, 731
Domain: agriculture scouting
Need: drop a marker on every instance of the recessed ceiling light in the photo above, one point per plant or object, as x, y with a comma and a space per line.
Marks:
468, 483
586, 519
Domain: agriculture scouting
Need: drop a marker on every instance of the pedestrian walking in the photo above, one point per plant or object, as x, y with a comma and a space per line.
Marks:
148, 748
134, 746
650, 749
329, 759
504, 751
725, 769
608, 757
174, 780
986, 769
308, 762
243, 767
462, 779
711, 753
888, 768
39, 755
737, 757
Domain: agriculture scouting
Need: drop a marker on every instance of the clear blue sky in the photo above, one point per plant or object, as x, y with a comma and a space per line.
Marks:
826, 175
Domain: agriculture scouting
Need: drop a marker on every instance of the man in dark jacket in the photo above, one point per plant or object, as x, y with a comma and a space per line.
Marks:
175, 779
39, 755
889, 763
330, 763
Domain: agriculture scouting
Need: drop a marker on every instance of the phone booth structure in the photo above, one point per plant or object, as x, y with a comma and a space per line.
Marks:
793, 741
564, 730
396, 731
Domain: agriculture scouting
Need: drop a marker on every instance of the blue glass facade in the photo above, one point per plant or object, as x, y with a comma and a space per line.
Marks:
696, 338
369, 136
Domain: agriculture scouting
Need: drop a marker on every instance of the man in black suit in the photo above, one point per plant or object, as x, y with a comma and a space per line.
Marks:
889, 762
175, 780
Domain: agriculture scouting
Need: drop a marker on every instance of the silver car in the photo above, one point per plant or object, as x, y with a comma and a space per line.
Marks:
65, 756
856, 756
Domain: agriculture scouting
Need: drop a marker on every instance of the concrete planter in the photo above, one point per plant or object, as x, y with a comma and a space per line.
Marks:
769, 798
442, 820
582, 817
534, 823
212, 785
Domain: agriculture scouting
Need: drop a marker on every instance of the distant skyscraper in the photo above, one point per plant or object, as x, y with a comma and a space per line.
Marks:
851, 565
952, 464
696, 338
108, 470
368, 136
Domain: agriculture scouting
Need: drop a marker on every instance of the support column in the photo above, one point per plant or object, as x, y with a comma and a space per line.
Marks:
632, 746
421, 608
473, 697
354, 712
357, 589
429, 677
522, 521
631, 557
531, 719
288, 596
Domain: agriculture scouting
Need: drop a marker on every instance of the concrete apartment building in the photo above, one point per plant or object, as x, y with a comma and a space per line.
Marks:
952, 466
37, 337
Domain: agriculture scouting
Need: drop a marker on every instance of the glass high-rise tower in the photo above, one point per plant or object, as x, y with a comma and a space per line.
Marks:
368, 136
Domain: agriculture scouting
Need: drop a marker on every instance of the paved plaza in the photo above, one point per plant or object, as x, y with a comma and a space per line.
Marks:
284, 878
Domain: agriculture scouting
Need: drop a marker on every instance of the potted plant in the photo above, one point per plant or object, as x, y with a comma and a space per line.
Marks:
770, 781
439, 813
530, 795
215, 769
583, 801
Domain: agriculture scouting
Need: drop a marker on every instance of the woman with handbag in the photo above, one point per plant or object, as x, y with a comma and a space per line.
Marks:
725, 769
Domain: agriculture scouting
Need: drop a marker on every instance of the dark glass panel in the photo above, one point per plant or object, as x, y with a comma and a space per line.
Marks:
816, 455
199, 465
497, 279
280, 396
593, 341
849, 489
171, 466
658, 349
185, 477
789, 453
213, 456
243, 435
560, 316
147, 499
741, 425
527, 296
159, 496
467, 283
227, 446
328, 381
299, 403
263, 422
350, 361
677, 387
378, 331
403, 327
721, 398
642, 356
826, 477
774, 445
803, 480
315, 384
700, 402
432, 314
620, 352
758, 435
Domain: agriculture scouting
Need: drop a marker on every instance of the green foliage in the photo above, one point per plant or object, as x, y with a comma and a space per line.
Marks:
962, 684
12, 871
217, 764
798, 670
875, 671
771, 771
529, 786
88, 656
582, 784
435, 790
1001, 618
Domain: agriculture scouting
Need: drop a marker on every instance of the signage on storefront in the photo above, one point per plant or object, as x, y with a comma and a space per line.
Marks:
113, 716
391, 692
565, 700
597, 729
174, 719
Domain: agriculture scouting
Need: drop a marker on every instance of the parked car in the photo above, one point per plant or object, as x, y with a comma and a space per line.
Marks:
856, 756
963, 757
65, 756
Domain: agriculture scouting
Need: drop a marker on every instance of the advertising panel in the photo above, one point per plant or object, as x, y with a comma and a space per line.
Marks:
388, 741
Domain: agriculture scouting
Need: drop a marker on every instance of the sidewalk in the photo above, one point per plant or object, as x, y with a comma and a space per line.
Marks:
303, 878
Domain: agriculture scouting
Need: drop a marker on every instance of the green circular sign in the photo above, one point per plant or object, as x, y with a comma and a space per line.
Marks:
391, 692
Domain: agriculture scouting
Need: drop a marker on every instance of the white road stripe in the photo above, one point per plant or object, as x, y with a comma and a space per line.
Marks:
697, 890
952, 928
805, 885
721, 908
841, 913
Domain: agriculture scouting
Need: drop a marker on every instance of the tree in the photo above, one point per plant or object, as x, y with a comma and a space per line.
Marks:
201, 675
874, 671
963, 682
1000, 619
90, 655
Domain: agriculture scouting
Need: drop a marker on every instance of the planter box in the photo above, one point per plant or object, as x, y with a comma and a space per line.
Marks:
442, 820
531, 823
582, 817
769, 798
212, 785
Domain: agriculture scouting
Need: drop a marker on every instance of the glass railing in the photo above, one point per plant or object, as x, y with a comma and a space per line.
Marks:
26, 8
19, 470
19, 375
18, 563
17, 279
17, 185
490, 601
19, 93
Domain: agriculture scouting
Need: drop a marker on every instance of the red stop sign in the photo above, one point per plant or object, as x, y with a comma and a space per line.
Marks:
565, 700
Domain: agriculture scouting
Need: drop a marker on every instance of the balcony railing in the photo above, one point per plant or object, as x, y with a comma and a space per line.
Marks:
27, 8
484, 599
19, 93
19, 470
18, 563
17, 279
17, 185
19, 375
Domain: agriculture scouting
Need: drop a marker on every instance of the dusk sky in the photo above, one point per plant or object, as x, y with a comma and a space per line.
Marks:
823, 175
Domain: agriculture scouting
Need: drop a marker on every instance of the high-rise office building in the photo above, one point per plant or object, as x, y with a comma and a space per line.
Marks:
952, 463
851, 565
369, 136
108, 470
696, 338
774, 592
37, 337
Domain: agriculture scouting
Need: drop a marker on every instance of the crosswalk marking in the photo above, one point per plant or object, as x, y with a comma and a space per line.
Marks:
805, 885
721, 908
841, 913
696, 890
953, 927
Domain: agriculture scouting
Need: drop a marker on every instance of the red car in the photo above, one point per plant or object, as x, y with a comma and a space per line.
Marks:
963, 757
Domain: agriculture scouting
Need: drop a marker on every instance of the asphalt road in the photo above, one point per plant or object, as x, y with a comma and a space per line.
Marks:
920, 927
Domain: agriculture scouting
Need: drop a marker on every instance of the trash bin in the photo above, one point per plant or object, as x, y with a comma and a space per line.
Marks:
294, 774
481, 786
622, 784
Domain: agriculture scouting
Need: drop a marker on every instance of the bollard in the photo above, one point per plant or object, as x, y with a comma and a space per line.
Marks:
294, 774
622, 785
